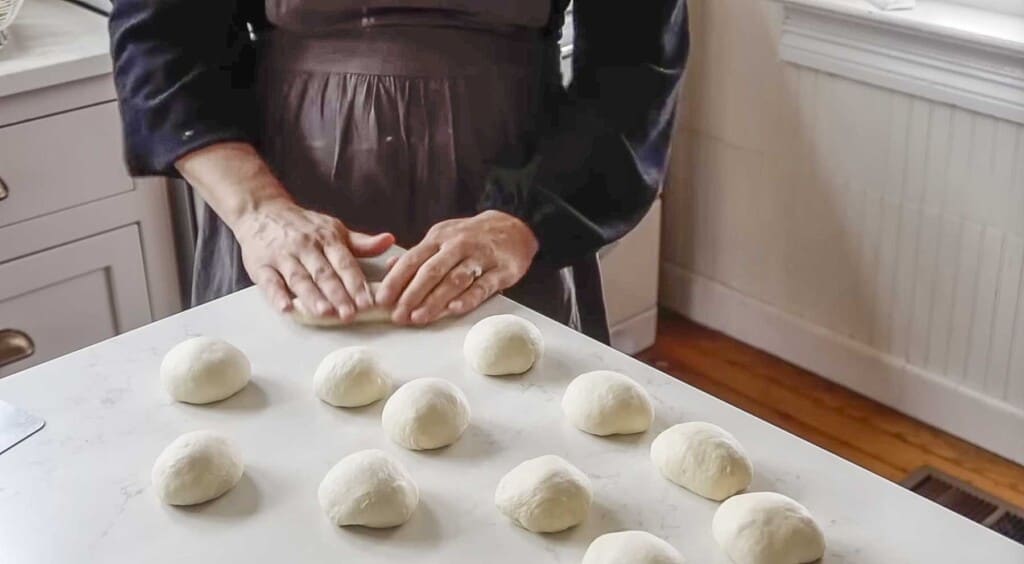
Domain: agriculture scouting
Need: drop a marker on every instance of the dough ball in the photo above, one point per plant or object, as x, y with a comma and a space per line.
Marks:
426, 413
503, 344
767, 528
544, 494
368, 488
607, 403
702, 458
196, 467
204, 370
351, 377
631, 547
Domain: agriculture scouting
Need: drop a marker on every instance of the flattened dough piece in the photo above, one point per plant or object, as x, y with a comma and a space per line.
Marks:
375, 314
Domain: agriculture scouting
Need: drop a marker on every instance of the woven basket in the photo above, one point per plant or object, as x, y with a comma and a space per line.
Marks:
8, 11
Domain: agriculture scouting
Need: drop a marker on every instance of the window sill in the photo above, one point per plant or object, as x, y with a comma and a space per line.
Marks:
946, 52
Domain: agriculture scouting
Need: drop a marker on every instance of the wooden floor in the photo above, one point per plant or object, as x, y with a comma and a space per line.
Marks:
850, 425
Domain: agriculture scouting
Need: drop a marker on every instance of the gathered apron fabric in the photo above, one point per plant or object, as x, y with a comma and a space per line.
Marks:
394, 128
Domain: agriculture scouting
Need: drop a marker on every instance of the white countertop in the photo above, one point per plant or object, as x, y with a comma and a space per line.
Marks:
53, 42
79, 491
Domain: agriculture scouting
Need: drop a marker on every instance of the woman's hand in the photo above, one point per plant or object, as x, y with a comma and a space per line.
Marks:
286, 249
289, 250
458, 265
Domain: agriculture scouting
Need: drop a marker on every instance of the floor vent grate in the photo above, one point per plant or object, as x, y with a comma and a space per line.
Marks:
968, 501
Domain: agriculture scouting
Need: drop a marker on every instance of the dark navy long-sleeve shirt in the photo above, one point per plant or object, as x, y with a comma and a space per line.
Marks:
184, 71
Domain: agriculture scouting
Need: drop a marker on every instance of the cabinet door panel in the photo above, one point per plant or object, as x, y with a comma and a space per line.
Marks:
43, 162
74, 295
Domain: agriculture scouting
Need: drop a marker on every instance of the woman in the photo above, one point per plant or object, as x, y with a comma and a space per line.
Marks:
320, 131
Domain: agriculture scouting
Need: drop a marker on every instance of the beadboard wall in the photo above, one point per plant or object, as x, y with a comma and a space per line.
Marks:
872, 237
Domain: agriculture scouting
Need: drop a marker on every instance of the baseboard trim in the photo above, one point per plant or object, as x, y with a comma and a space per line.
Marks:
961, 411
636, 333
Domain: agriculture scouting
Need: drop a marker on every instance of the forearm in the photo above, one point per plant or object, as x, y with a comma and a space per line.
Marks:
233, 179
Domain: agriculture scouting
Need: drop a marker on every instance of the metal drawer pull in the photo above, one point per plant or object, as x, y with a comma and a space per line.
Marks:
3, 190
14, 346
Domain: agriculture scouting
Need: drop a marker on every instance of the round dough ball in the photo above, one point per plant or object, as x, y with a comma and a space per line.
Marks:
196, 467
351, 377
368, 488
631, 547
767, 528
544, 494
204, 370
702, 458
426, 413
607, 403
503, 344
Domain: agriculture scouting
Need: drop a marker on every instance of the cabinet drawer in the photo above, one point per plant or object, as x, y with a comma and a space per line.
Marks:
72, 296
61, 161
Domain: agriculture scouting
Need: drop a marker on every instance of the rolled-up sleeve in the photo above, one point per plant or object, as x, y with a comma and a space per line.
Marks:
184, 75
601, 153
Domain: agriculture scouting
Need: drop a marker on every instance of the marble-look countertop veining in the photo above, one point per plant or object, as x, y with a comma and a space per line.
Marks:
79, 491
53, 42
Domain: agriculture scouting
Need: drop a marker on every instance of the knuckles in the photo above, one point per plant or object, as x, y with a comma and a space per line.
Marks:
322, 273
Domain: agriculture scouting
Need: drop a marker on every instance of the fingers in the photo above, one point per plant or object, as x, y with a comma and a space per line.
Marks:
363, 245
274, 288
327, 281
427, 277
435, 305
301, 284
483, 288
351, 275
402, 272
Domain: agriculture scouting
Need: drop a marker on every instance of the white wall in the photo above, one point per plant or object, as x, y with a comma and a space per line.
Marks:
875, 238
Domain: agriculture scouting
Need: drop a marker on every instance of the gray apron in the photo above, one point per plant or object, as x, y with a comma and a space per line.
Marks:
390, 119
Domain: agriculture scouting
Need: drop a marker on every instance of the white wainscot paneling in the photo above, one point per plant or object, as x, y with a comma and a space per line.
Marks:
877, 239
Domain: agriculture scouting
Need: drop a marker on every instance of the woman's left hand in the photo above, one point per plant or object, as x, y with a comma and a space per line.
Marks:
457, 266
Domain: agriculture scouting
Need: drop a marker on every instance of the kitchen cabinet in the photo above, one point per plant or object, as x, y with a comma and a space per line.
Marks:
85, 251
48, 165
72, 296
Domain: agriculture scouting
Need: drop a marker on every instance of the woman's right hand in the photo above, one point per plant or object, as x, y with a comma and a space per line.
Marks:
287, 250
